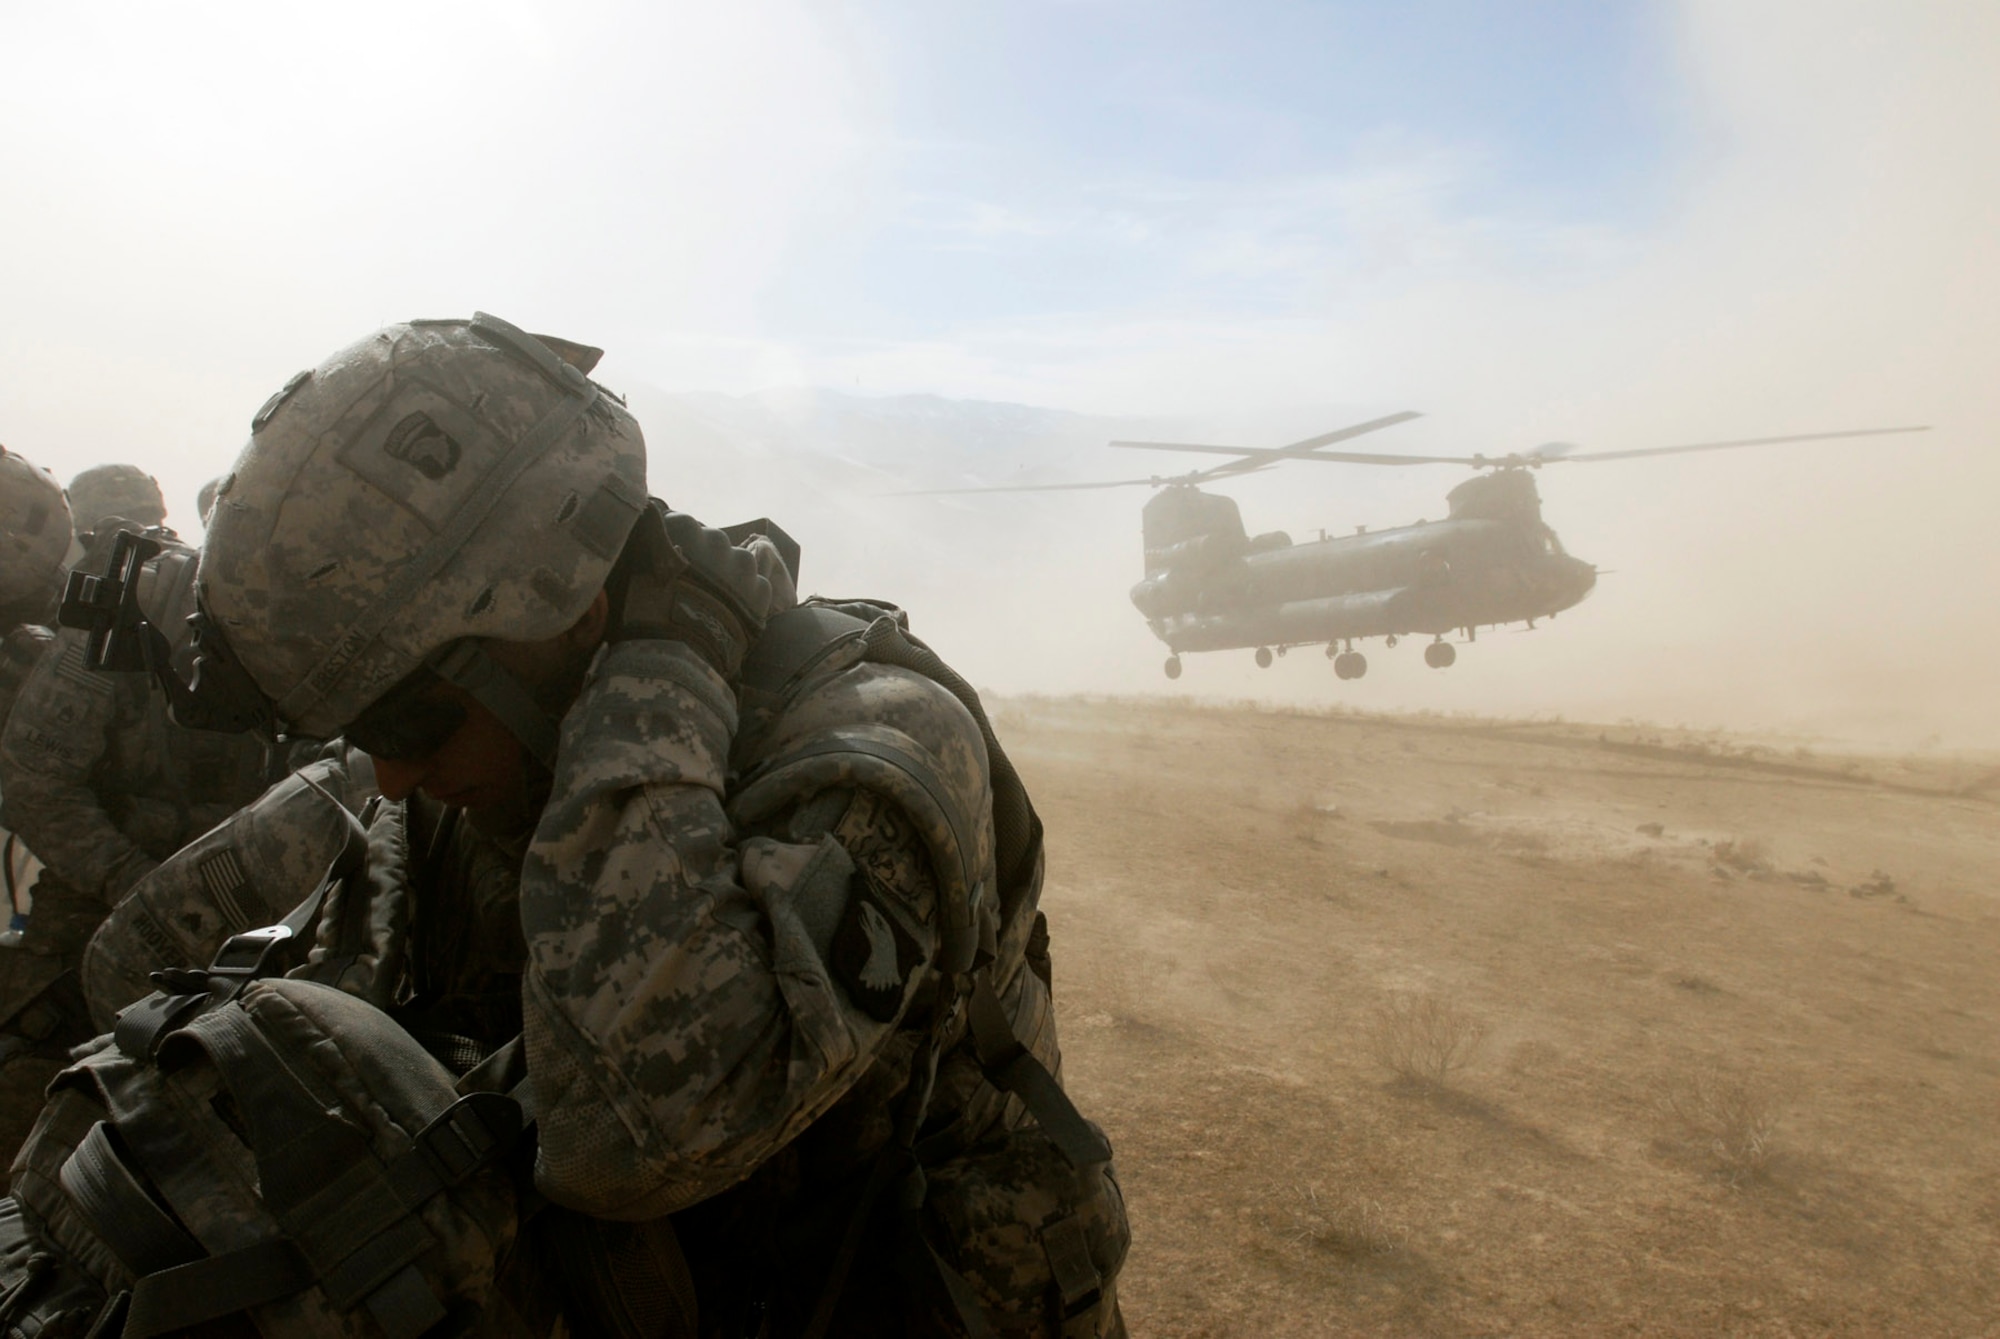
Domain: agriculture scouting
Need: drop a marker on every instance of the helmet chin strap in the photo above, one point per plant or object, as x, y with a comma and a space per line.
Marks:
466, 665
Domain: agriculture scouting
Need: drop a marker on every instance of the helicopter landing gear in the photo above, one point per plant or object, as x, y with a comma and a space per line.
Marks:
1173, 667
1350, 665
1263, 657
1390, 641
1440, 654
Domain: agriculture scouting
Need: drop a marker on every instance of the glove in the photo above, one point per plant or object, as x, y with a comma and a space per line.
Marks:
717, 598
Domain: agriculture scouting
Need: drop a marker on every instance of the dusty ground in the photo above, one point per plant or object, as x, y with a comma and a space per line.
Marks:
1739, 1071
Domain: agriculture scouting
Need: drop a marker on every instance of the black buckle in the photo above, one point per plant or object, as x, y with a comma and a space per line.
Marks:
245, 957
469, 1134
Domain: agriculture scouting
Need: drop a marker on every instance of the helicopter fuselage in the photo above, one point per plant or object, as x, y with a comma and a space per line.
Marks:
1210, 587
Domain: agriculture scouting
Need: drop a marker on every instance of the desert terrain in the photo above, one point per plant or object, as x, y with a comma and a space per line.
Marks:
1412, 1026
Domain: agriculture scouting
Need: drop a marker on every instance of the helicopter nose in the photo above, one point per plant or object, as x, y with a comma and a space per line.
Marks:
1577, 581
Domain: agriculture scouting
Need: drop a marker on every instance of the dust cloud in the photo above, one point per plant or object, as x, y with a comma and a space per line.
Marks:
195, 217
1733, 994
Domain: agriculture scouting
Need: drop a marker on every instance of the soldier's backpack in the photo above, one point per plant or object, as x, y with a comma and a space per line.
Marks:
253, 1155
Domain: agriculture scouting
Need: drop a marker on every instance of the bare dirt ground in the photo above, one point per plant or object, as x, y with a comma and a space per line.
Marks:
1727, 1054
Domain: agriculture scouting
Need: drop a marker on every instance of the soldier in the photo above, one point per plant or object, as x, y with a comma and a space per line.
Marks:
124, 491
750, 878
101, 785
34, 539
125, 494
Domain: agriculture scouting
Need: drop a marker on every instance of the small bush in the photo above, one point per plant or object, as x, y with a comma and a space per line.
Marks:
1350, 1226
1732, 1118
1424, 1038
1746, 855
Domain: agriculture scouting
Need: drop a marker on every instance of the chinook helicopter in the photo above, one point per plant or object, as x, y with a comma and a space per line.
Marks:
1210, 585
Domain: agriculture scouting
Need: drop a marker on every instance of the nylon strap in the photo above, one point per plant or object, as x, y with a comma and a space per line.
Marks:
236, 1281
143, 1236
1011, 1067
1067, 1247
466, 664
315, 1172
359, 635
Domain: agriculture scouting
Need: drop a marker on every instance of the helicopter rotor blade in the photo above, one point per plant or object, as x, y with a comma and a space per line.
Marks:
1384, 458
1263, 456
1728, 446
1028, 488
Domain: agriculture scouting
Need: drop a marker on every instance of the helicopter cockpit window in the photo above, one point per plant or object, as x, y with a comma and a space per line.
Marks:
1551, 545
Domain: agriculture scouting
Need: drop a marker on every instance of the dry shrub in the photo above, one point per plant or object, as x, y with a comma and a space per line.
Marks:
1424, 1038
1350, 1226
1731, 1117
1310, 820
1746, 855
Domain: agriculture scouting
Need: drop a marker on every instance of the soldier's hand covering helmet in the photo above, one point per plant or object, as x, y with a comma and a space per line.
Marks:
34, 532
438, 481
116, 490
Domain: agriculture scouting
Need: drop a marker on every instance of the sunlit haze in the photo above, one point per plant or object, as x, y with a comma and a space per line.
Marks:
1616, 225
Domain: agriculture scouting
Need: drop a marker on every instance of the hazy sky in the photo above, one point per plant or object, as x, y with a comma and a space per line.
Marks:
1620, 225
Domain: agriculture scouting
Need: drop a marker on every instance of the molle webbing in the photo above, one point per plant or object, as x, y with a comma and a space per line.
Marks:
348, 1221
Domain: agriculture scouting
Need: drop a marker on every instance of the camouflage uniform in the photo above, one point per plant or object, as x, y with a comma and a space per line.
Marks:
123, 491
35, 529
773, 967
102, 786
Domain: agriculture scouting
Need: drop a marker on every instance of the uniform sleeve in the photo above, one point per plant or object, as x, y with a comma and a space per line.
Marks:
60, 728
683, 1015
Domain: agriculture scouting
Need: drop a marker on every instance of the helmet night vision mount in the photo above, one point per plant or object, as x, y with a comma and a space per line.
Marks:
220, 695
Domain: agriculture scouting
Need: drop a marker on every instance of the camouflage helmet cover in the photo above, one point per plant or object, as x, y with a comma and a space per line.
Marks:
116, 490
439, 480
34, 530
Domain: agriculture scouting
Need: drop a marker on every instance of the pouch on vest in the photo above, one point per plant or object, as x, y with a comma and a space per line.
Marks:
1037, 1240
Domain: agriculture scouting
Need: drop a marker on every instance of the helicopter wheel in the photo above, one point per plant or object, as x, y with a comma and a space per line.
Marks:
1263, 657
1173, 667
1440, 655
1390, 641
1351, 665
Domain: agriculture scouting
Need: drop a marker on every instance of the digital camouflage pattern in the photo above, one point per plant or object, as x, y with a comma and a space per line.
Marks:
20, 651
293, 1115
722, 1014
1013, 1216
97, 779
34, 540
123, 491
248, 871
430, 483
734, 960
682, 1018
101, 785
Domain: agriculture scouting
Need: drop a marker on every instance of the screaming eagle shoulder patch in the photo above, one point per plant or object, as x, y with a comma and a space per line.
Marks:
873, 955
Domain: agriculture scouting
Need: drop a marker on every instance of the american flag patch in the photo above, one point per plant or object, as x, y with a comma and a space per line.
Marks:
70, 666
222, 874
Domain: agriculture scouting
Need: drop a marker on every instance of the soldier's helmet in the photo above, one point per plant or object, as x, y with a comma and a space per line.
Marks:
34, 533
204, 500
116, 490
437, 482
